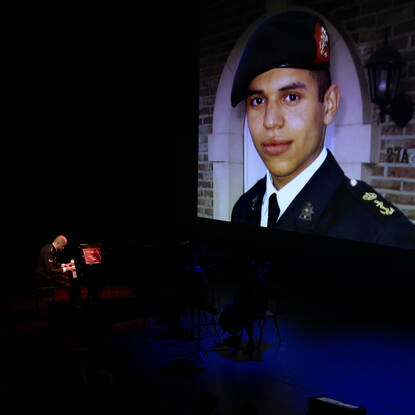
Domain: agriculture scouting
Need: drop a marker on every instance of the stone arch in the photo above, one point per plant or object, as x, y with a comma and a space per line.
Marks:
352, 140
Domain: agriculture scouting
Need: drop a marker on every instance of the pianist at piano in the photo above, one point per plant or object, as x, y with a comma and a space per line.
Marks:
50, 271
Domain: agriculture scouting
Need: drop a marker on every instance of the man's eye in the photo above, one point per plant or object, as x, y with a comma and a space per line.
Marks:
257, 101
290, 98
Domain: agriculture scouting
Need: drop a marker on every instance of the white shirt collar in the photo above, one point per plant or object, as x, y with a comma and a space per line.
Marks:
287, 194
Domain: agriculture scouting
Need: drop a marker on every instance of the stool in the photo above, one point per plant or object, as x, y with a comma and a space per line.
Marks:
43, 292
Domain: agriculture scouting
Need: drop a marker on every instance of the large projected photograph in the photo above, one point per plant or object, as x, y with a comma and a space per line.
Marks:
303, 129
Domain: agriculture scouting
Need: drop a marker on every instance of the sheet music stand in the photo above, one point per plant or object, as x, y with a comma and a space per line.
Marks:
92, 253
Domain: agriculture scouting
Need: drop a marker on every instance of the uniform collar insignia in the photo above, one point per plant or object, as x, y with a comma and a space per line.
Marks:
253, 202
307, 212
314, 198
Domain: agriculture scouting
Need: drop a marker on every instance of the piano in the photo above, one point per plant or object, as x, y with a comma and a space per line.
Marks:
89, 268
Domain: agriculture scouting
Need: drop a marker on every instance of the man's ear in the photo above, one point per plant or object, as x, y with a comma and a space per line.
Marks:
331, 103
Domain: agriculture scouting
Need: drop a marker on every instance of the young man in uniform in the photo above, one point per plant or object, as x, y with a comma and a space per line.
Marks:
284, 78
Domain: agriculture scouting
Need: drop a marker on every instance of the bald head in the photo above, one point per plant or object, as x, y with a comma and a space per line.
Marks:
60, 242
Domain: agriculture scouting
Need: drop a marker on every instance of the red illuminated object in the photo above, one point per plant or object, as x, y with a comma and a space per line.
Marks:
92, 255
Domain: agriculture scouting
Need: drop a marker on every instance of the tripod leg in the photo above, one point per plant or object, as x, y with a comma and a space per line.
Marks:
261, 326
277, 328
199, 353
198, 330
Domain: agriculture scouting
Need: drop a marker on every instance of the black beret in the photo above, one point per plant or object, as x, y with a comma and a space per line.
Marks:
292, 39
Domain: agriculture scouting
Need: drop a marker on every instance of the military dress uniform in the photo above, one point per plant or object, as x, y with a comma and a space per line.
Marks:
331, 204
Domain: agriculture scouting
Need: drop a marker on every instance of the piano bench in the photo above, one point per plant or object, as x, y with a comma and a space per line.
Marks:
43, 292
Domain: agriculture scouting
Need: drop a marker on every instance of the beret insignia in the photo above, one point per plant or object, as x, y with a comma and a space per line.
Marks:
322, 44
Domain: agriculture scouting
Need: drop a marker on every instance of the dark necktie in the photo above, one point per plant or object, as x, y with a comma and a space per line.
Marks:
273, 211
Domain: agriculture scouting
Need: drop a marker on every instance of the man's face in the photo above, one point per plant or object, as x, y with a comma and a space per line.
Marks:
286, 120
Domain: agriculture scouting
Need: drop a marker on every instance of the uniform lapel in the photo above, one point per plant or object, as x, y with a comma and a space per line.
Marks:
254, 203
305, 212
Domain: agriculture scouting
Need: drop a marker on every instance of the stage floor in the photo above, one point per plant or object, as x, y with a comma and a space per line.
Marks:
100, 365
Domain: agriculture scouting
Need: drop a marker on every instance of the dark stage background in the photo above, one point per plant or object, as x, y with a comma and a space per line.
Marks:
104, 129
105, 148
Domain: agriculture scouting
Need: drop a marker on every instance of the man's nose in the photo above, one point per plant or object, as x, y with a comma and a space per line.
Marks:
273, 116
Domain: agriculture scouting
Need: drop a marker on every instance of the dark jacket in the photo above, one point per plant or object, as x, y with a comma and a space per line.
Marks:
48, 265
332, 205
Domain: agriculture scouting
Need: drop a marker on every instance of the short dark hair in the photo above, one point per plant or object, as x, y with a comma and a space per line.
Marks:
323, 78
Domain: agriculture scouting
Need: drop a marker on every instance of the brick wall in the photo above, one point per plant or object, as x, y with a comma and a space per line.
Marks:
222, 22
367, 21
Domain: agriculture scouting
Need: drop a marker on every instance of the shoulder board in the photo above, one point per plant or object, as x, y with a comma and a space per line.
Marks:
371, 200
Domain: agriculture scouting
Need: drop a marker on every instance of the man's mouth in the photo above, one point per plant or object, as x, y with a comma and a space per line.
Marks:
274, 147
